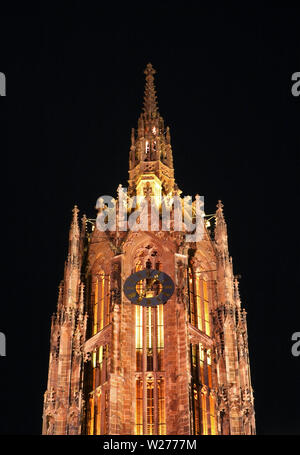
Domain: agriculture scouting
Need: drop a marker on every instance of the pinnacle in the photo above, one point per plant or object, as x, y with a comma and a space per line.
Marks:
75, 210
219, 212
150, 103
220, 205
74, 228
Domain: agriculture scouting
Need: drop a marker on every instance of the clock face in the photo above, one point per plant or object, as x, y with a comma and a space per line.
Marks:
156, 287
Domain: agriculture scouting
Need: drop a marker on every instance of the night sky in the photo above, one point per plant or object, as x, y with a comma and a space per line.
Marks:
74, 90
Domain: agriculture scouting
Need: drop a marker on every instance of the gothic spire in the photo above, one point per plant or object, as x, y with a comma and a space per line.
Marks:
220, 210
221, 238
73, 255
151, 143
74, 224
224, 266
150, 99
73, 262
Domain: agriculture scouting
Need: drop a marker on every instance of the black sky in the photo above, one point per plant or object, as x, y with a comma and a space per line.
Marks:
74, 91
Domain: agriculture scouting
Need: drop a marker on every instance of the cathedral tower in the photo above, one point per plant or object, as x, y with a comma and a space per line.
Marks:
178, 367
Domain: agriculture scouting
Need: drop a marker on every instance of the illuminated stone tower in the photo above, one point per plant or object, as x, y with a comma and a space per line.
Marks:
178, 368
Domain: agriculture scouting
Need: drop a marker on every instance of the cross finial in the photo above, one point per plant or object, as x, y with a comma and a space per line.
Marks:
149, 71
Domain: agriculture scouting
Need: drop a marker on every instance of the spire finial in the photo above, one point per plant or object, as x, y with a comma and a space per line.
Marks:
150, 104
220, 205
219, 213
75, 211
74, 228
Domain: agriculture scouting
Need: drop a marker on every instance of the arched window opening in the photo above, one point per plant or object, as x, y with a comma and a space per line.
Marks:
199, 301
203, 395
149, 344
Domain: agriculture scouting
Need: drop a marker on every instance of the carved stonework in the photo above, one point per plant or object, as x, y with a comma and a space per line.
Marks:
181, 282
117, 367
115, 289
50, 424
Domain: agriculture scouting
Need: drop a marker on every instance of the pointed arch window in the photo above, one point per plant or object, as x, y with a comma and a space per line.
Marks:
149, 333
149, 344
161, 406
101, 307
203, 394
97, 384
199, 298
139, 407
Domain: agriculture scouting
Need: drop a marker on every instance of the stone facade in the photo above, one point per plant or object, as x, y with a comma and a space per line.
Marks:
179, 368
